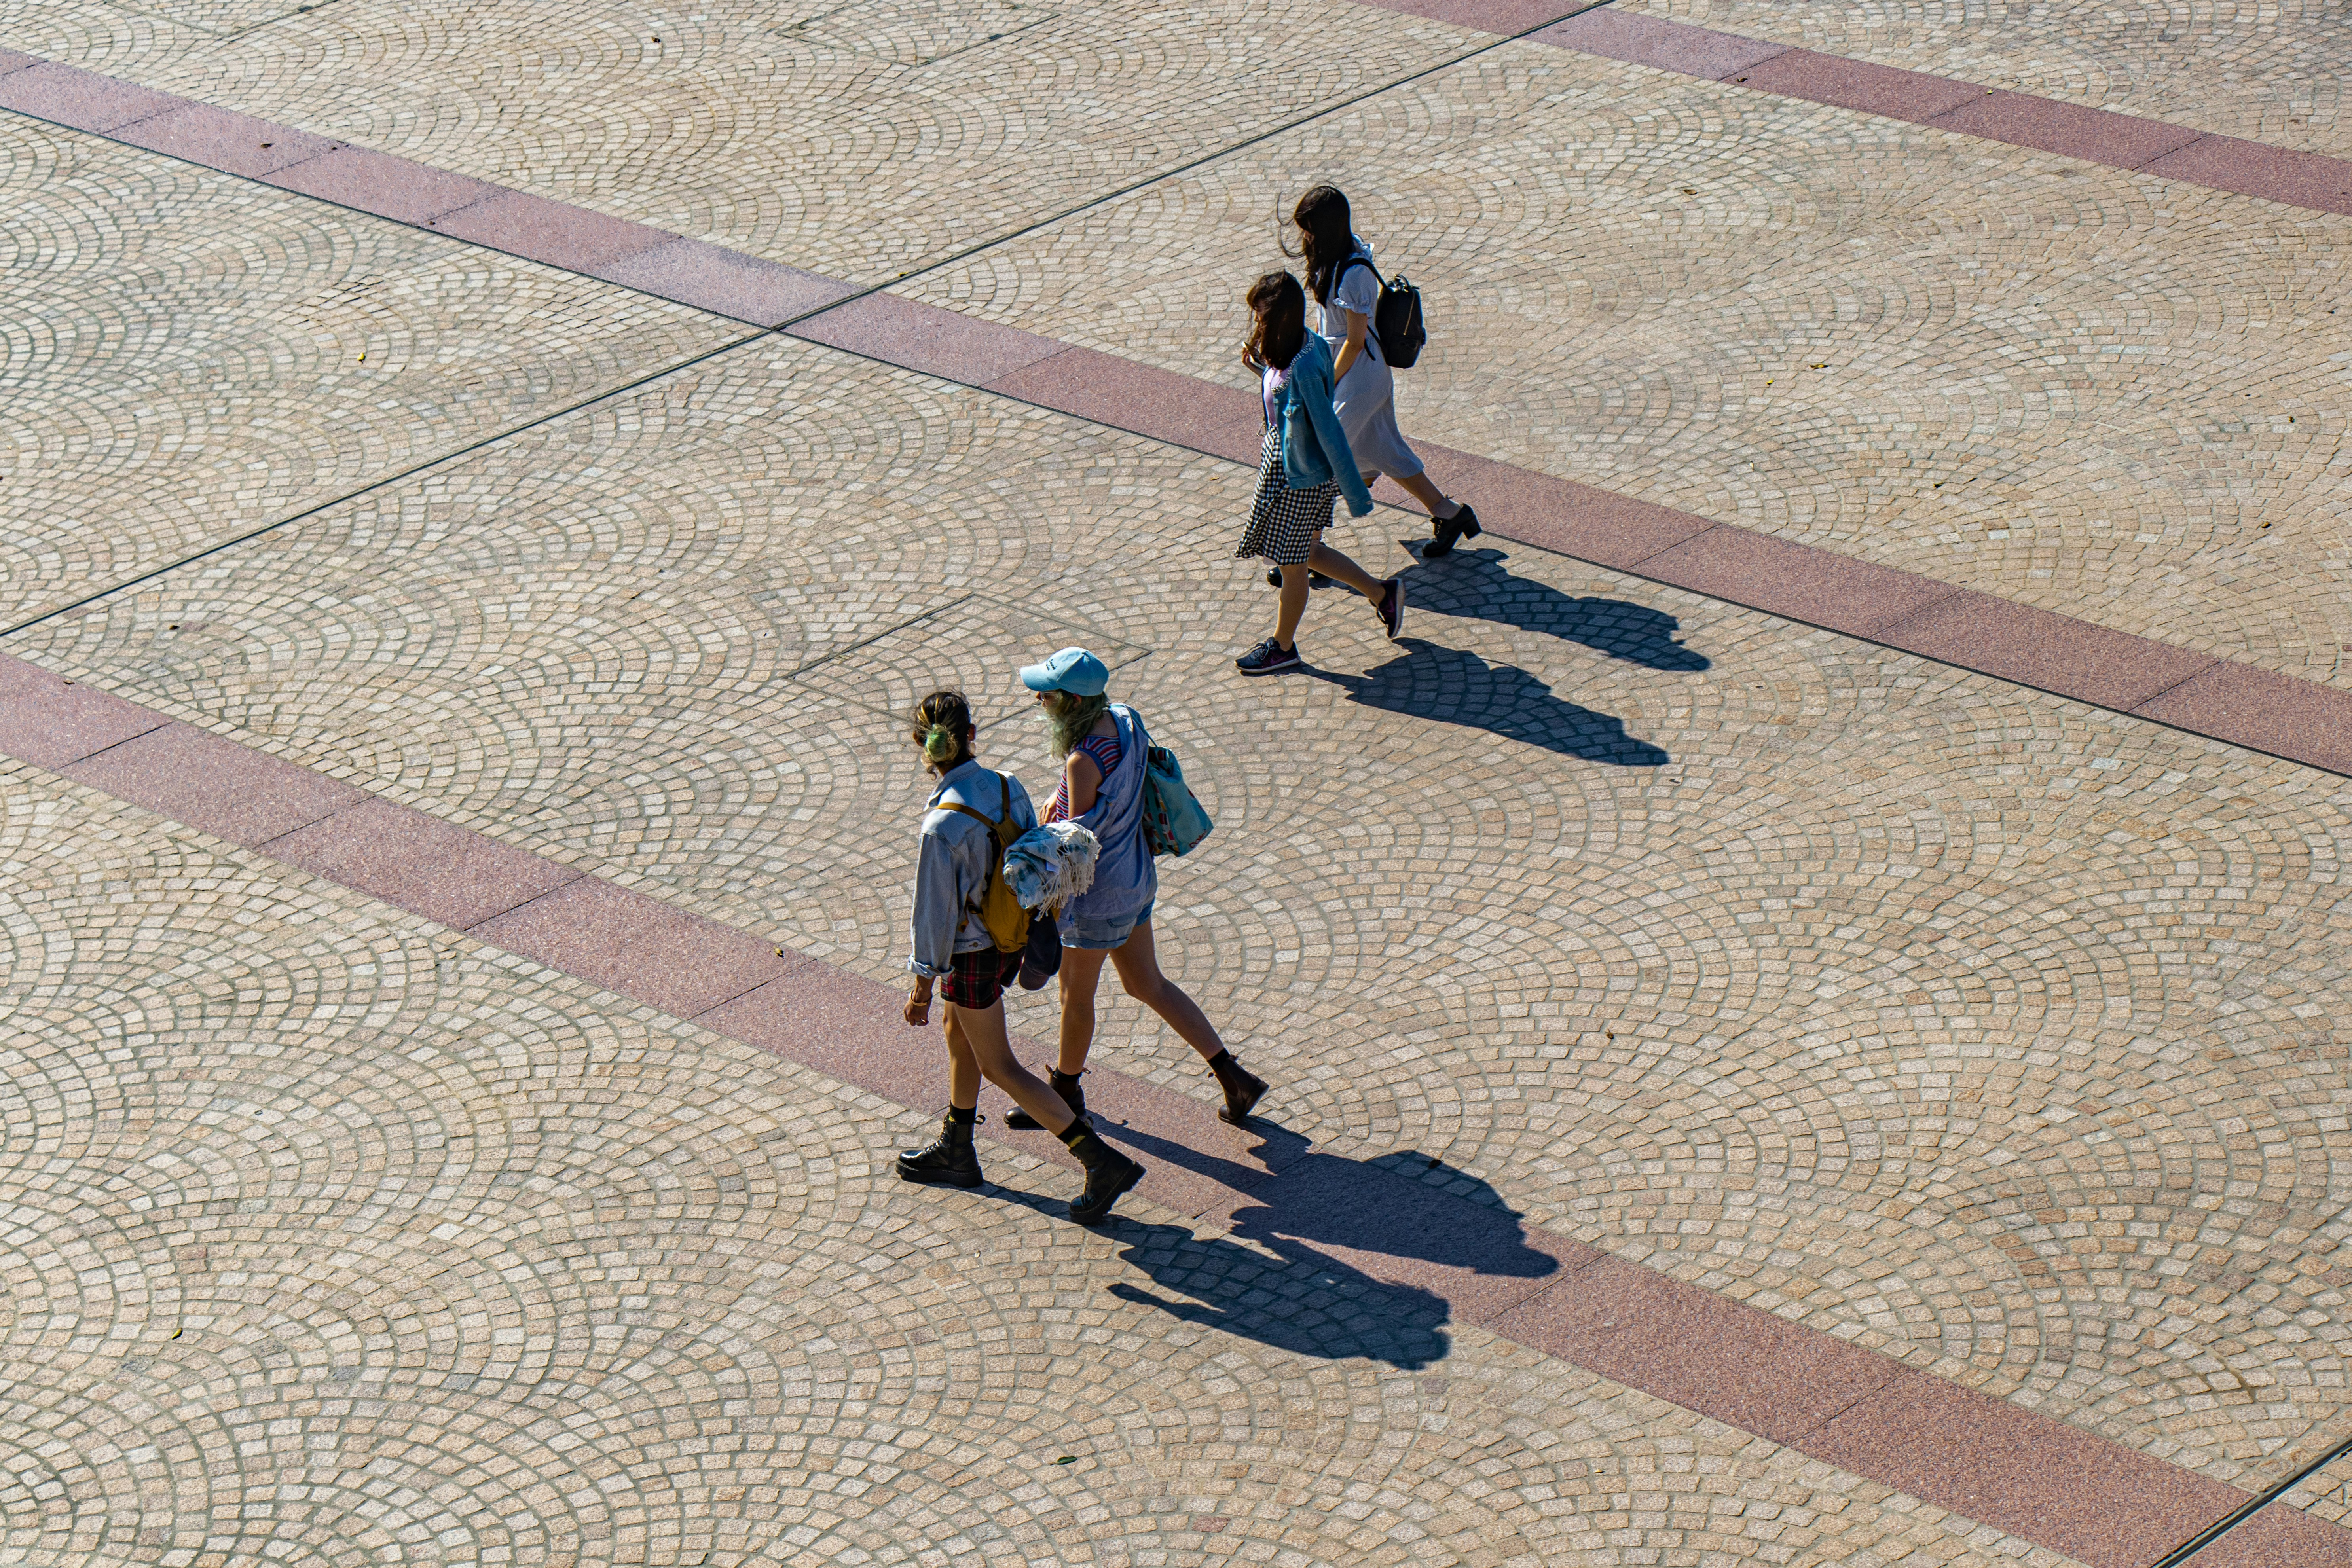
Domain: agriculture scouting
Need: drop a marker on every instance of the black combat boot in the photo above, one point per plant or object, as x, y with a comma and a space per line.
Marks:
1244, 1088
1063, 1084
950, 1161
1108, 1173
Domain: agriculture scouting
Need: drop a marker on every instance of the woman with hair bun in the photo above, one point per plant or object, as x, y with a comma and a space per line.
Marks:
950, 941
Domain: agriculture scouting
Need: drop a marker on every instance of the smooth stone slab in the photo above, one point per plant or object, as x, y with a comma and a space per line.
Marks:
2041, 649
229, 791
372, 182
1858, 85
2254, 169
1816, 586
82, 100
223, 140
924, 337
2000, 1463
1179, 409
1653, 41
420, 863
555, 233
2094, 135
2297, 720
625, 940
51, 722
724, 282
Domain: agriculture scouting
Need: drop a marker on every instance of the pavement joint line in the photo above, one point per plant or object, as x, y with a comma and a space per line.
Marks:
2313, 180
1735, 1363
2290, 718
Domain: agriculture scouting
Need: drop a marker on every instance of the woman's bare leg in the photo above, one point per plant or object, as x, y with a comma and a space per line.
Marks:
1138, 961
1081, 973
1338, 567
984, 1032
1291, 605
963, 1068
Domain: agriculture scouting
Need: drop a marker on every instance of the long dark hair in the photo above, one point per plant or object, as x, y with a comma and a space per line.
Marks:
941, 724
1278, 321
1326, 237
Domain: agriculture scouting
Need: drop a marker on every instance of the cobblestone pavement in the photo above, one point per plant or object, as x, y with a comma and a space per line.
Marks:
2083, 389
598, 1286
2271, 73
1969, 1023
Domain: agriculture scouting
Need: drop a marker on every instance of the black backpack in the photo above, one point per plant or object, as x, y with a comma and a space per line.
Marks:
1396, 318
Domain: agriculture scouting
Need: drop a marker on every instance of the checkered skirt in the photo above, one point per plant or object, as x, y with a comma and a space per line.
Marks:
1283, 522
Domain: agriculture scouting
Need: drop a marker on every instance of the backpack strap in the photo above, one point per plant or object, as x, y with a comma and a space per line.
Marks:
999, 828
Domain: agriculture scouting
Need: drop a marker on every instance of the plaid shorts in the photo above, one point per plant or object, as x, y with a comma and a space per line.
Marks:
977, 978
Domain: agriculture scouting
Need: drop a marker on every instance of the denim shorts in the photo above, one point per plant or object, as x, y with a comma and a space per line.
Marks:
1102, 936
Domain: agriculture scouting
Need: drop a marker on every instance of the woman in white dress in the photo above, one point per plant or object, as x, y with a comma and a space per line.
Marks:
1346, 290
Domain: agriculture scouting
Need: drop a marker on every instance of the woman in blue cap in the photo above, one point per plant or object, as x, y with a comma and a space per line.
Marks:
1102, 747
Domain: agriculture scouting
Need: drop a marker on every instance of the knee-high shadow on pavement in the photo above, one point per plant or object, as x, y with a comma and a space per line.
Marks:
1349, 1242
1450, 686
1477, 585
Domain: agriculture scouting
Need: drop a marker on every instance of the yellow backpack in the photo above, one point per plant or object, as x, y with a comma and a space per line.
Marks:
999, 911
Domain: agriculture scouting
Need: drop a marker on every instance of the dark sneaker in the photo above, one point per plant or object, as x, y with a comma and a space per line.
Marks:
1444, 532
1269, 657
1392, 609
1107, 1179
948, 1160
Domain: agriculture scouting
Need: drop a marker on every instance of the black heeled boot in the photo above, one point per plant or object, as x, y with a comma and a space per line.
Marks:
1445, 530
1063, 1084
949, 1159
1244, 1088
1108, 1173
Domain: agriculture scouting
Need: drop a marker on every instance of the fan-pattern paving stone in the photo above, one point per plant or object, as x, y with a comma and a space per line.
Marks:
859, 141
334, 1233
1976, 1025
2265, 72
2101, 393
265, 352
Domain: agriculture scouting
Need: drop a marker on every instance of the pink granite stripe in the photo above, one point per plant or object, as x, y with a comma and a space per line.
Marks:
2264, 710
2051, 652
82, 100
2051, 1483
944, 343
2042, 1480
221, 139
2158, 147
1162, 403
2280, 1536
382, 185
724, 282
229, 791
2254, 169
11, 61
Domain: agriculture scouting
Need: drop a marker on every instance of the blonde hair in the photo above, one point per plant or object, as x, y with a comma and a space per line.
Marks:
1069, 716
941, 724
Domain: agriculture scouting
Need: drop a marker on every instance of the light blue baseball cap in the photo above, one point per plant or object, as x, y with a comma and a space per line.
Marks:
1073, 670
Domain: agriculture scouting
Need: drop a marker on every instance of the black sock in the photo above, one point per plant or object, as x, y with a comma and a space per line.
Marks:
1224, 1057
962, 1117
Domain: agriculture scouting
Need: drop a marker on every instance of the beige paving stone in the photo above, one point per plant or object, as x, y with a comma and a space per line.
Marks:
191, 356
2265, 72
2324, 1493
2108, 396
337, 1236
862, 141
1976, 1025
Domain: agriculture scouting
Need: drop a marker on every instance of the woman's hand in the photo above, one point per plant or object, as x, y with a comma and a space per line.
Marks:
1351, 350
917, 1010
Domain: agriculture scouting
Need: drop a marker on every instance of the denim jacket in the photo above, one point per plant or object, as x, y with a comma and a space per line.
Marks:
1313, 447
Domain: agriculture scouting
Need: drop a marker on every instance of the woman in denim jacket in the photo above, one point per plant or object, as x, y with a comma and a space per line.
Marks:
1303, 468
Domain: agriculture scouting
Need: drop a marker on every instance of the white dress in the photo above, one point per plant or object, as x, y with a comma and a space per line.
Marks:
1365, 398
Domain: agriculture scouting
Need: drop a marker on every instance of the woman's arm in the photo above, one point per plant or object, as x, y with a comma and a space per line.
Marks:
939, 912
1356, 323
1085, 780
1314, 396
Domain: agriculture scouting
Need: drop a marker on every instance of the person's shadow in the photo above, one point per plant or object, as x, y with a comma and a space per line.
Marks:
1329, 1223
1451, 686
1475, 585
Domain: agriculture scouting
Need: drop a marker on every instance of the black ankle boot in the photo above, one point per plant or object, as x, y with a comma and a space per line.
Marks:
949, 1159
1063, 1084
1445, 530
1244, 1088
1108, 1173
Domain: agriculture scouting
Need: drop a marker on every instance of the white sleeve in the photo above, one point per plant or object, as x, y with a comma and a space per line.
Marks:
1357, 291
